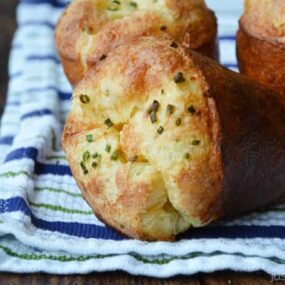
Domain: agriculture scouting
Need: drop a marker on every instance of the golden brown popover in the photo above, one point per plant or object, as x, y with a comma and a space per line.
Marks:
261, 43
89, 29
160, 139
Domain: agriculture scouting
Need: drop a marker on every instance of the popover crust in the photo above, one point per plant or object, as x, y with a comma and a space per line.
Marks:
261, 43
160, 139
89, 29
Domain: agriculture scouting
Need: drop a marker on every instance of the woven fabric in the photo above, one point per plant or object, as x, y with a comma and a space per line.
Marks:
45, 225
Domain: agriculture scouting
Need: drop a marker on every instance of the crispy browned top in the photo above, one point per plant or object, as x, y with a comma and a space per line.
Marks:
265, 19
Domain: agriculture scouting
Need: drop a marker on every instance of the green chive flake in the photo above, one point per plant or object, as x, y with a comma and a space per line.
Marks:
94, 164
89, 138
133, 4
195, 142
108, 123
178, 122
108, 148
191, 109
187, 155
95, 155
179, 78
160, 130
114, 155
84, 99
170, 109
86, 156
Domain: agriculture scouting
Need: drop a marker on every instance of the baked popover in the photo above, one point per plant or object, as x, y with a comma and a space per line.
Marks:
261, 43
89, 29
160, 139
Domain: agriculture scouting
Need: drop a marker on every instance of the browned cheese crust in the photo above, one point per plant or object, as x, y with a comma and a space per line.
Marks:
89, 29
261, 43
160, 139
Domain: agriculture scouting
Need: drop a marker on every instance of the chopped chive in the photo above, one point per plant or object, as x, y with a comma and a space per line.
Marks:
85, 171
108, 148
108, 123
116, 2
114, 155
153, 117
160, 130
94, 164
133, 4
174, 45
195, 142
163, 28
178, 122
170, 109
89, 138
83, 167
179, 78
86, 156
84, 99
95, 155
187, 155
191, 109
122, 226
103, 56
162, 91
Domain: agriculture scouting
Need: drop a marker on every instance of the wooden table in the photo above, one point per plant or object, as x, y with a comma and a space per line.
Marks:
7, 27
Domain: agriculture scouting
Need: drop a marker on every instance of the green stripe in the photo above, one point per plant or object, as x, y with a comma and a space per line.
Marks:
58, 208
59, 157
143, 259
14, 174
55, 190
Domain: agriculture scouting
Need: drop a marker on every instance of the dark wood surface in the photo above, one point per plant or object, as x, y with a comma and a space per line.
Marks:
7, 27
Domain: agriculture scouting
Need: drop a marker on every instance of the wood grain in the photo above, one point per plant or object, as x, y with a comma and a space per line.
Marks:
7, 27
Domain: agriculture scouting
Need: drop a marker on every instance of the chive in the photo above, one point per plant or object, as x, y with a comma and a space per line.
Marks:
178, 122
84, 99
195, 142
94, 164
170, 109
153, 117
116, 2
114, 155
191, 109
154, 107
86, 156
174, 45
160, 130
179, 78
83, 167
103, 56
162, 91
133, 4
95, 155
122, 226
108, 148
163, 28
108, 123
89, 138
187, 155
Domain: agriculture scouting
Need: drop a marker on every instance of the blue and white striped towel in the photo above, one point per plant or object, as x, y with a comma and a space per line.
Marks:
45, 225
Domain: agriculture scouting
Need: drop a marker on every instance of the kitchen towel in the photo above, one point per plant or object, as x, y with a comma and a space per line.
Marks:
46, 226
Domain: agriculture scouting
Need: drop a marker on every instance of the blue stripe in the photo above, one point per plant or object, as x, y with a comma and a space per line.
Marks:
40, 168
94, 231
227, 37
21, 153
37, 113
43, 57
13, 103
6, 140
38, 23
61, 94
74, 229
54, 3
